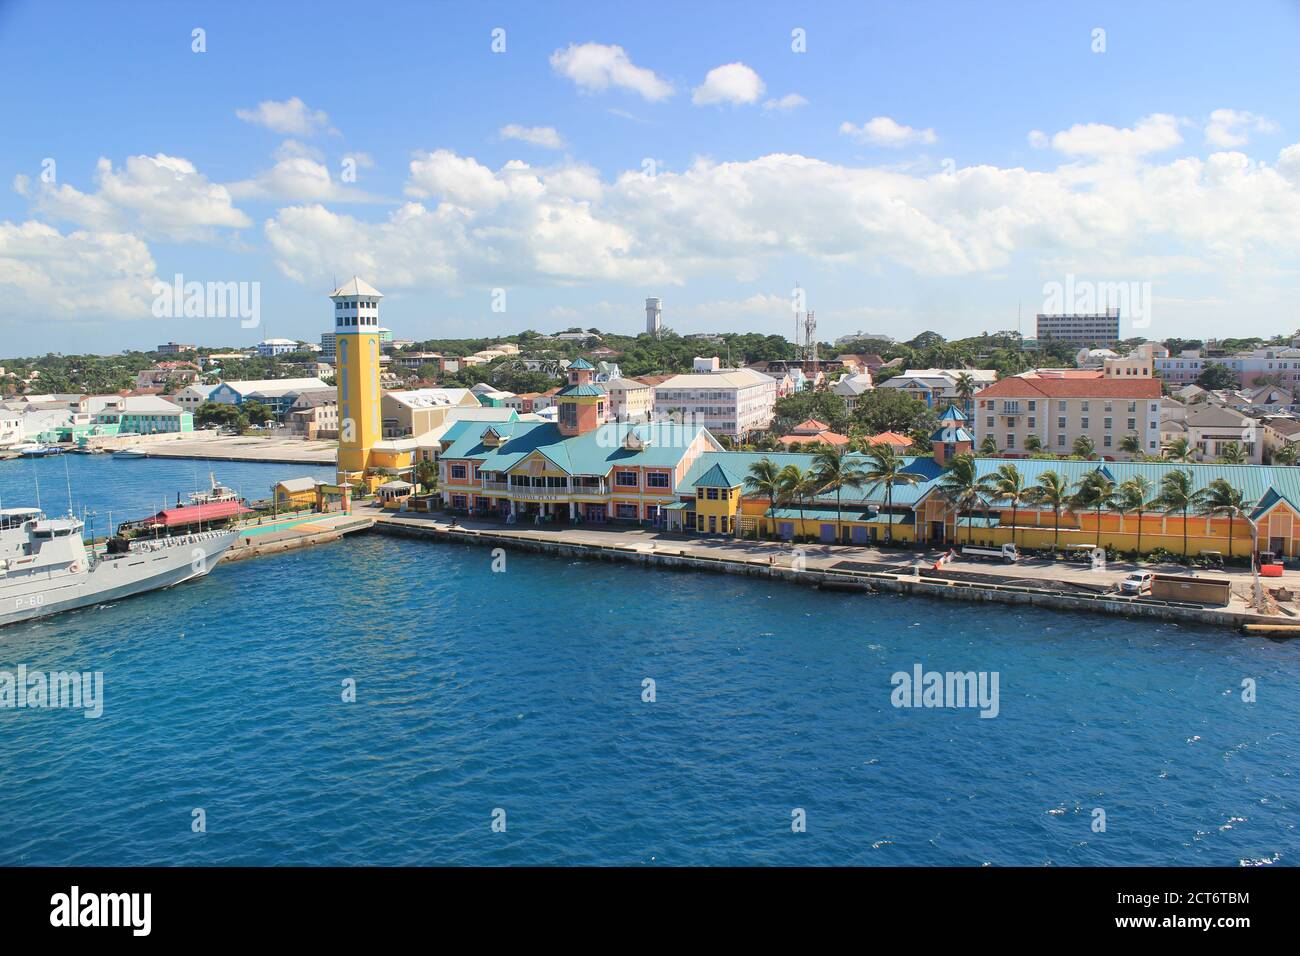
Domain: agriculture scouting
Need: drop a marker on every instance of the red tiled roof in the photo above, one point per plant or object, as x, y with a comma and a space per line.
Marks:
889, 438
810, 426
1016, 386
829, 437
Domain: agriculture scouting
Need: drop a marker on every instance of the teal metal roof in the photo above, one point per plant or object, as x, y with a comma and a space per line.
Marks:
856, 515
581, 391
594, 453
738, 462
580, 363
717, 477
952, 414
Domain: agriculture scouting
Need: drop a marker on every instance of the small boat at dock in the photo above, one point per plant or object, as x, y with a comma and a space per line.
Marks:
38, 451
130, 453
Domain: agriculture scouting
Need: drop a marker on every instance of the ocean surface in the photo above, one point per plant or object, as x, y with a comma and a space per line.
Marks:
130, 488
518, 694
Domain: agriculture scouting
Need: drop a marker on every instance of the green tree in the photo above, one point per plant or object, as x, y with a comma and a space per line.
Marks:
961, 486
1054, 491
796, 485
1096, 492
1033, 444
893, 410
1084, 447
1221, 500
989, 446
1131, 445
1134, 495
1008, 484
886, 467
1215, 376
1178, 494
764, 478
426, 473
835, 469
1232, 454
1178, 449
220, 415
256, 412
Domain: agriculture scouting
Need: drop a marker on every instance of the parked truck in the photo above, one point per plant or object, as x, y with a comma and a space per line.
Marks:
1008, 553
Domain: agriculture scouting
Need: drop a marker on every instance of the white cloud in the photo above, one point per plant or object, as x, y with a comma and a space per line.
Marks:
1038, 139
788, 102
156, 196
470, 225
1153, 134
595, 67
298, 178
291, 117
544, 136
884, 131
46, 275
1231, 128
733, 83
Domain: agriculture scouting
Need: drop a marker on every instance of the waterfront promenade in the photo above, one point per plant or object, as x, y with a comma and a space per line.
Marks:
1046, 583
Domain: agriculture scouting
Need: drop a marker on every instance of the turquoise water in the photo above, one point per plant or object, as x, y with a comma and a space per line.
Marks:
522, 690
131, 488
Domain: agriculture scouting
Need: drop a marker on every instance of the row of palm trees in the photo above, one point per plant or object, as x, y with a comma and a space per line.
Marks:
1176, 449
966, 490
833, 470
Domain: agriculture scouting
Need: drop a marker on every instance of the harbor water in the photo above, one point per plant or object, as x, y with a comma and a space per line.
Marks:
610, 714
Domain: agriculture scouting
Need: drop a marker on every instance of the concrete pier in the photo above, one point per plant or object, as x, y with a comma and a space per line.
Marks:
825, 567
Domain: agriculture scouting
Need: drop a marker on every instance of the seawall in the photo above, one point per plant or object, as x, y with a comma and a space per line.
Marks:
665, 556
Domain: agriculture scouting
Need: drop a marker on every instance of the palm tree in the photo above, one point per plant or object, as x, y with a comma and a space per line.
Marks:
1135, 495
961, 486
1232, 454
1084, 447
989, 446
834, 469
1096, 491
796, 484
1033, 444
1285, 455
965, 386
764, 478
1131, 445
1008, 484
885, 466
1221, 500
1177, 494
1054, 491
426, 473
1178, 449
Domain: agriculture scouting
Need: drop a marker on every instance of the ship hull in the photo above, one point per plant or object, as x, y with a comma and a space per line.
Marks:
42, 594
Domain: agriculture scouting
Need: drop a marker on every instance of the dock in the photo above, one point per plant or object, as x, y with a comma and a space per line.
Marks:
827, 567
280, 535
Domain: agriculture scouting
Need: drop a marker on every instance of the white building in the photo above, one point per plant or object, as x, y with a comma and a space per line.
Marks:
629, 400
11, 428
733, 401
192, 396
268, 348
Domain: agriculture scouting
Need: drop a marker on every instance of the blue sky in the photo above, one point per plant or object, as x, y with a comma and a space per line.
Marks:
921, 165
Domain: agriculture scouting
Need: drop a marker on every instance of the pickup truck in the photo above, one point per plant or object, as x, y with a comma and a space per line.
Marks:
1008, 553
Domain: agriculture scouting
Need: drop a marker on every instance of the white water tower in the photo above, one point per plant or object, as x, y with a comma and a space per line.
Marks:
654, 314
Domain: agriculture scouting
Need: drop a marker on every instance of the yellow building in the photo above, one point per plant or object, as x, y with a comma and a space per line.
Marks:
364, 457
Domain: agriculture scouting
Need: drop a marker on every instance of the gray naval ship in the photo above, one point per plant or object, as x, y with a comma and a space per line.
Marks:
46, 568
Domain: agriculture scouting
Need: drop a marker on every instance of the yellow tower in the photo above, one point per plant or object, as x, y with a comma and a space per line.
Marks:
356, 337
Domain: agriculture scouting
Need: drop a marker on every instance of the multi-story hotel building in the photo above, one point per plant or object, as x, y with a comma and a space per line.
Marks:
1092, 330
730, 402
1279, 364
1060, 406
